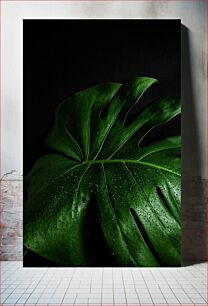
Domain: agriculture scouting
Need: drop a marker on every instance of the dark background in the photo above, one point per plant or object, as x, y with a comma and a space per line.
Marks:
62, 57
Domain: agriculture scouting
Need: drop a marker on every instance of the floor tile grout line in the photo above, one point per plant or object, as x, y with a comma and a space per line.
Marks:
147, 287
123, 284
135, 286
37, 283
172, 290
123, 279
69, 283
187, 294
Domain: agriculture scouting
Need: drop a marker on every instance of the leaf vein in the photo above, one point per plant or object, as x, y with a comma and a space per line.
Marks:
112, 209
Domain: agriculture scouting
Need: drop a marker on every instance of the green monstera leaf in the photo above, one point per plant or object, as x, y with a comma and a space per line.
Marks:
99, 157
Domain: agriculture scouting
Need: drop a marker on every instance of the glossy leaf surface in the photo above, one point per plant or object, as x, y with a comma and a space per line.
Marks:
100, 158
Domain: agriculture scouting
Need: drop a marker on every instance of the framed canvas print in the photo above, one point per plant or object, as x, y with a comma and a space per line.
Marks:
102, 145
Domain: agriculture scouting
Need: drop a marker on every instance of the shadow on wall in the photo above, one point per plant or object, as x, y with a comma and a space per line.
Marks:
194, 227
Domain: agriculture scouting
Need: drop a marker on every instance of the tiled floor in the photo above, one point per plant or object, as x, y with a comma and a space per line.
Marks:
103, 286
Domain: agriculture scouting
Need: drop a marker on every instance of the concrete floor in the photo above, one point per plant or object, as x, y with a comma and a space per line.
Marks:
103, 286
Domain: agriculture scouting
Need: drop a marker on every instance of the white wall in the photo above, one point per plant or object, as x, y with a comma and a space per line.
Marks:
192, 15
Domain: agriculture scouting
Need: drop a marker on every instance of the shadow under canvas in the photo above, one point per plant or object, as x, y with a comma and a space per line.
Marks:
194, 206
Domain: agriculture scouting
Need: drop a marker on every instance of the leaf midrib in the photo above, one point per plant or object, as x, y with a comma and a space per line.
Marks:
115, 161
132, 161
